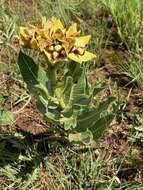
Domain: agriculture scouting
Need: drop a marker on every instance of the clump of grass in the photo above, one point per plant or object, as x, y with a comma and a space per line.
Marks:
62, 168
128, 18
134, 70
63, 9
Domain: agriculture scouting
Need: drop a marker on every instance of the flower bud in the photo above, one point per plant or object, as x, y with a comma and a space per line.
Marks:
51, 48
55, 55
58, 48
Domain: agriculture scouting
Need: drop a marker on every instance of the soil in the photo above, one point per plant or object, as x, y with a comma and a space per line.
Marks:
30, 121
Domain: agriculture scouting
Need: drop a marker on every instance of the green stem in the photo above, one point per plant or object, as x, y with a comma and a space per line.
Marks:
52, 72
61, 101
53, 76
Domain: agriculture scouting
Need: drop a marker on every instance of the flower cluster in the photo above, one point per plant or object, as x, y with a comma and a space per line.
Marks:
57, 42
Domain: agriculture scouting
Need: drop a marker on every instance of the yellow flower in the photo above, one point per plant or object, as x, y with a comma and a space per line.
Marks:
57, 42
81, 58
45, 24
69, 38
82, 41
75, 46
78, 52
43, 39
56, 25
72, 31
27, 38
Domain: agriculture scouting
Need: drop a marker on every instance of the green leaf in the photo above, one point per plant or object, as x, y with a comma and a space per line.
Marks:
67, 112
53, 116
74, 70
78, 89
69, 122
99, 128
32, 73
42, 91
49, 109
6, 118
79, 137
90, 115
67, 89
82, 100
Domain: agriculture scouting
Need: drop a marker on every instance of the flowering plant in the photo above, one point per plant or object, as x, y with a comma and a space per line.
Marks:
62, 91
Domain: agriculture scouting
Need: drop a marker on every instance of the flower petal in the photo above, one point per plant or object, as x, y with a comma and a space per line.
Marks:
33, 44
72, 31
23, 31
42, 43
23, 41
87, 56
44, 20
56, 24
82, 41
46, 24
75, 57
68, 44
58, 35
48, 55
24, 35
81, 58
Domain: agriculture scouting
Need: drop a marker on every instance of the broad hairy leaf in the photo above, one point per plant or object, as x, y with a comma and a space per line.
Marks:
32, 73
49, 109
78, 116
67, 89
90, 115
78, 90
100, 126
73, 70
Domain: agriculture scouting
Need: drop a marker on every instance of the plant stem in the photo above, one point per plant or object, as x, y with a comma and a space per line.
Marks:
60, 99
53, 77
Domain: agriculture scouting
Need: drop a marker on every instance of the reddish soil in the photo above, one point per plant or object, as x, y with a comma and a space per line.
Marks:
30, 121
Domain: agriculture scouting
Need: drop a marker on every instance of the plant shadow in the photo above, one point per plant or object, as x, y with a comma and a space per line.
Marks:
26, 152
